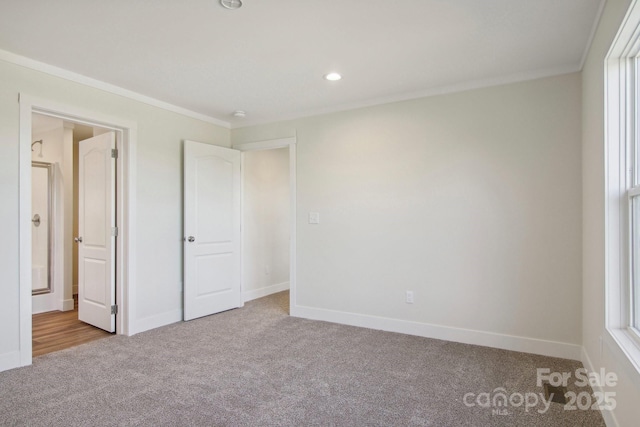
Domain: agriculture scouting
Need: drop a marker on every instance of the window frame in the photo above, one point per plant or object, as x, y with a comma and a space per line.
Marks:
622, 183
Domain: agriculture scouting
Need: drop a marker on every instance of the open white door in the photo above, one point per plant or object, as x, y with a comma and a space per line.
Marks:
211, 229
96, 227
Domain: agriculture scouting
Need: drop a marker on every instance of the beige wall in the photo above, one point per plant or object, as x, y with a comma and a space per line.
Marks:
627, 391
158, 193
471, 200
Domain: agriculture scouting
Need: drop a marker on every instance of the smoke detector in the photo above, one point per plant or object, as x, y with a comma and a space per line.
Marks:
231, 4
239, 114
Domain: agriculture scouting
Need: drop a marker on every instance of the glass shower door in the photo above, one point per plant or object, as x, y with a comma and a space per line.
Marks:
41, 208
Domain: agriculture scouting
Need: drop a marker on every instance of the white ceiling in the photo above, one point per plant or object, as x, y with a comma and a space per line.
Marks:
268, 57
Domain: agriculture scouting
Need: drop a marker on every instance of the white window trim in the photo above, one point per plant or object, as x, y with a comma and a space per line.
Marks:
620, 133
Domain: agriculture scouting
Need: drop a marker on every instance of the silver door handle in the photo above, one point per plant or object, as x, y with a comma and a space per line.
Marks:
190, 239
36, 220
77, 239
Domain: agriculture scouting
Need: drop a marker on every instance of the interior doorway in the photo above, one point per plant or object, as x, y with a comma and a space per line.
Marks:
59, 179
265, 222
125, 136
269, 219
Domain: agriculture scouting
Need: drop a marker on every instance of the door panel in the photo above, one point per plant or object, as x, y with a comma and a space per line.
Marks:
212, 219
96, 194
219, 266
96, 219
214, 180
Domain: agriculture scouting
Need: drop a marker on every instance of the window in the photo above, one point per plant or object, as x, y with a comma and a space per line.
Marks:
622, 202
632, 200
634, 297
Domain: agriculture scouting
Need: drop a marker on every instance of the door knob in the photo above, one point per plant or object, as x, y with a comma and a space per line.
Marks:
191, 239
78, 239
36, 220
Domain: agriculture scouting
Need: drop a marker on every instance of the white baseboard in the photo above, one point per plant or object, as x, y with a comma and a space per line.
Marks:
67, 305
263, 292
156, 321
447, 333
44, 303
9, 360
609, 417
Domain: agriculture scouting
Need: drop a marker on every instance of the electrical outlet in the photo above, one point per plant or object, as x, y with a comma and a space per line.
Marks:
314, 217
409, 297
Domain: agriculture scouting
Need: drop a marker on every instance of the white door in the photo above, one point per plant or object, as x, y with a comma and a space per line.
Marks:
211, 229
96, 231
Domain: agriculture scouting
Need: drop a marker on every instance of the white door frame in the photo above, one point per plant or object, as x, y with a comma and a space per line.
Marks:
126, 139
269, 145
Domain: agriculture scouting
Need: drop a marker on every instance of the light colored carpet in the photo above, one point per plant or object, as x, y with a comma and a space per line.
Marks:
256, 366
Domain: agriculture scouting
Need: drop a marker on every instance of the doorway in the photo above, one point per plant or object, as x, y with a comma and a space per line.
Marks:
124, 132
61, 311
212, 175
265, 222
269, 220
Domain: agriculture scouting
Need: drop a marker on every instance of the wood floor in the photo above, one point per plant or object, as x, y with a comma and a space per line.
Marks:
57, 330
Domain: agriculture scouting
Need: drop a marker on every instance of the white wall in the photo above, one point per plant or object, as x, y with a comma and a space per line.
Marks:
627, 391
265, 232
158, 194
471, 200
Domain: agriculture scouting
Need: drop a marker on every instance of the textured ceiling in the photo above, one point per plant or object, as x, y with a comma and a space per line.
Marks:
268, 57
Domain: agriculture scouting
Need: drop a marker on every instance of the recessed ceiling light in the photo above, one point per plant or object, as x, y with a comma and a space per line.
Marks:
231, 4
239, 114
333, 77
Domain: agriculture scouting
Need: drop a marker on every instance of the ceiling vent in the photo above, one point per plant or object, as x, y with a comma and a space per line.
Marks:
231, 4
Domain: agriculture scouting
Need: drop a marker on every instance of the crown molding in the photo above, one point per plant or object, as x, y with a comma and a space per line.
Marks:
592, 34
32, 64
434, 91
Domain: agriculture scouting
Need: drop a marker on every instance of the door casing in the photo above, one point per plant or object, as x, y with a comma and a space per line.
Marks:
126, 140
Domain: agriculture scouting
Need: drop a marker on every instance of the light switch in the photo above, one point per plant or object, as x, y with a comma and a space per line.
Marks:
314, 217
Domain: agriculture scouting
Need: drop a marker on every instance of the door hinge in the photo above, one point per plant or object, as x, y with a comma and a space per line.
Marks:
114, 309
114, 153
114, 231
